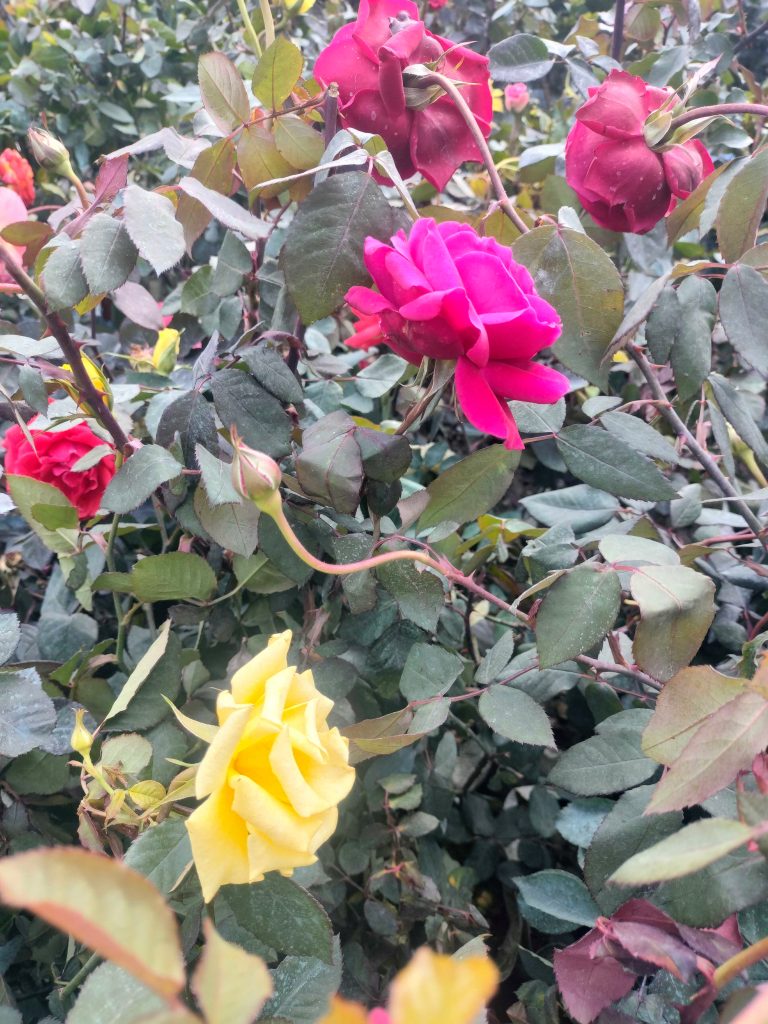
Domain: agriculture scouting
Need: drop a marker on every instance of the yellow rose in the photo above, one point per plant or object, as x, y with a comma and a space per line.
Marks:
297, 6
432, 989
272, 776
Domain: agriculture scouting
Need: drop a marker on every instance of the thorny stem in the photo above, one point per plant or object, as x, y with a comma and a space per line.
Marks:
750, 37
450, 87
89, 392
697, 113
248, 30
618, 31
706, 460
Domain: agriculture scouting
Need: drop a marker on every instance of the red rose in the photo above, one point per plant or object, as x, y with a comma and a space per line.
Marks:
17, 174
623, 183
367, 59
446, 293
12, 210
51, 460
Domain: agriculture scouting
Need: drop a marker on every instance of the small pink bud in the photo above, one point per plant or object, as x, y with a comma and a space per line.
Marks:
516, 97
254, 475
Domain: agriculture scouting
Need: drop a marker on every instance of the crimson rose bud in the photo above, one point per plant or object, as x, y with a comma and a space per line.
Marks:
51, 459
423, 132
446, 293
623, 183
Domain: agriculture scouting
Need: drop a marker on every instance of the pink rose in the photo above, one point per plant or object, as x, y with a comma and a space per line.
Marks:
12, 209
367, 60
623, 183
516, 97
446, 293
51, 460
435, 5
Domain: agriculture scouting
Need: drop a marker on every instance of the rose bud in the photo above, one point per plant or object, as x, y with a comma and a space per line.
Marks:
50, 153
255, 475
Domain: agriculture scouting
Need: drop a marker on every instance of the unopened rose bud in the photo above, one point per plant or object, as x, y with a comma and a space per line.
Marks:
254, 475
50, 153
81, 740
96, 377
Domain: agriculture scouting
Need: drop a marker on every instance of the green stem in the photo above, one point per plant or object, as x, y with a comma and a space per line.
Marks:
269, 23
110, 560
249, 31
90, 964
740, 962
722, 109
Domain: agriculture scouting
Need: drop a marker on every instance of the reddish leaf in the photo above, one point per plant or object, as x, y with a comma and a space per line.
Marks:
589, 985
655, 947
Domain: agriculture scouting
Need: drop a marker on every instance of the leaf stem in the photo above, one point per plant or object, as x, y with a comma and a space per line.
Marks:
450, 87
89, 392
740, 962
90, 964
723, 109
703, 456
251, 37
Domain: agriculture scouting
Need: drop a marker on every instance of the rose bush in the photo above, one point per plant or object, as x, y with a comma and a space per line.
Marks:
424, 133
447, 293
52, 456
272, 777
623, 183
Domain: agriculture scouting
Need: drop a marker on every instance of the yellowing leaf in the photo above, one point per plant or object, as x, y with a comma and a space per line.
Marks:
103, 904
231, 985
438, 989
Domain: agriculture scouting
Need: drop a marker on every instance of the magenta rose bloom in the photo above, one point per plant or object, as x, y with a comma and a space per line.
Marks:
623, 183
367, 59
51, 459
446, 293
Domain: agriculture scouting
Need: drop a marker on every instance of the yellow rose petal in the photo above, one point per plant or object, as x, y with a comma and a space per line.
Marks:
438, 989
265, 855
282, 759
276, 691
212, 773
248, 682
219, 843
344, 1012
266, 814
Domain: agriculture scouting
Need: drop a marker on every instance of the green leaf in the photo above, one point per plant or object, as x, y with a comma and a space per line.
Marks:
303, 990
27, 714
429, 671
176, 576
260, 162
63, 279
577, 612
107, 253
277, 73
676, 610
603, 461
111, 996
379, 736
191, 417
225, 210
515, 716
742, 207
520, 58
556, 901
419, 595
579, 279
471, 487
10, 632
162, 853
663, 326
217, 478
231, 986
233, 526
30, 495
744, 314
581, 507
630, 550
260, 419
722, 747
232, 264
32, 385
734, 407
691, 354
640, 435
298, 142
706, 898
686, 703
330, 466
691, 849
271, 371
142, 671
626, 831
608, 762
323, 253
134, 928
138, 477
380, 376
223, 92
151, 222
279, 915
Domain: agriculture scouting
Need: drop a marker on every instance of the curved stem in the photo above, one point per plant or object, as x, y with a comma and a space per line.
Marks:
724, 109
269, 22
740, 962
88, 391
449, 86
703, 456
249, 31
618, 30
